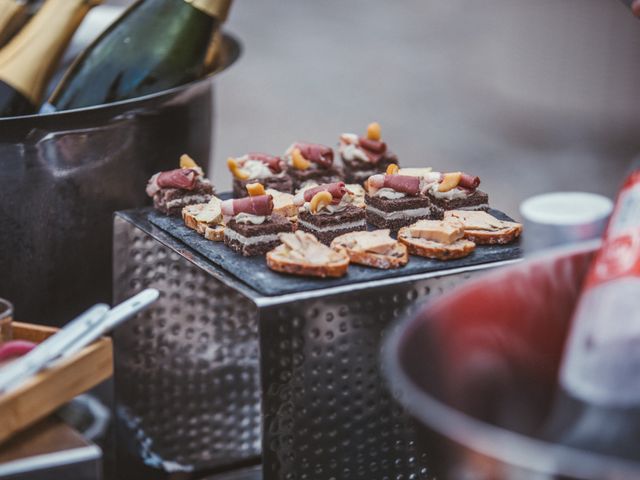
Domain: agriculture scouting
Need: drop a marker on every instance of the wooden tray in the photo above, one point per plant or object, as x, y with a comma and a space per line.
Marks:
52, 387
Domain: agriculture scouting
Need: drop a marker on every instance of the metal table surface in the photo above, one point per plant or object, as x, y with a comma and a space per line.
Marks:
216, 373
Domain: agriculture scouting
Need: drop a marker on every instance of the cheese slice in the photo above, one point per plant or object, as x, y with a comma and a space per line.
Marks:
282, 203
211, 213
194, 209
477, 220
378, 241
358, 194
302, 246
441, 231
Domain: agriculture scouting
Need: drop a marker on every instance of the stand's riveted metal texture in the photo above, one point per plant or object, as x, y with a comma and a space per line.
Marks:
328, 414
188, 386
187, 383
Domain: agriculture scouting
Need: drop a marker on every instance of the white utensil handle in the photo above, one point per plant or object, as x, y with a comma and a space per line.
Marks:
22, 368
113, 318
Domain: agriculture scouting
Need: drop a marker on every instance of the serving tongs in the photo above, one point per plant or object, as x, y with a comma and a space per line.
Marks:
76, 335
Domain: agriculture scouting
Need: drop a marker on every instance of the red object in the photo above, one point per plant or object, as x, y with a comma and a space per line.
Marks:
477, 366
620, 254
337, 191
258, 205
316, 153
374, 149
15, 348
184, 178
403, 183
375, 146
517, 315
600, 364
274, 163
469, 182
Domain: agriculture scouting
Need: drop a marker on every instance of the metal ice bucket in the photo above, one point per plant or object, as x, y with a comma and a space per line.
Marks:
477, 370
62, 176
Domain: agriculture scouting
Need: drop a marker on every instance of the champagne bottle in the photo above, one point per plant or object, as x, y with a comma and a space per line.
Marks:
597, 406
13, 15
29, 59
155, 45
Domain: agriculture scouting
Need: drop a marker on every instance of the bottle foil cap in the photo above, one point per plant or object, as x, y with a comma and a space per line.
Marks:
215, 8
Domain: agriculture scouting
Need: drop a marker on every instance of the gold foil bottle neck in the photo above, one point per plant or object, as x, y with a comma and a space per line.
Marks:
215, 8
30, 58
12, 14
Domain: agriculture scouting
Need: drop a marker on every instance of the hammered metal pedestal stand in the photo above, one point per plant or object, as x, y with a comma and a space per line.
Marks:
216, 374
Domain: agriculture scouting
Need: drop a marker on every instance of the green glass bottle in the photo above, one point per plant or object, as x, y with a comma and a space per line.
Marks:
155, 45
13, 15
28, 61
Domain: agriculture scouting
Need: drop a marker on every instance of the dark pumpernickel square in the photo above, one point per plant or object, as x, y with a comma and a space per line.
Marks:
397, 223
358, 176
273, 225
251, 250
337, 220
200, 194
281, 183
357, 171
398, 205
317, 174
476, 199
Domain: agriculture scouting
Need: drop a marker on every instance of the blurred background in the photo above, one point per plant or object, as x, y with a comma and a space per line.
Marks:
532, 96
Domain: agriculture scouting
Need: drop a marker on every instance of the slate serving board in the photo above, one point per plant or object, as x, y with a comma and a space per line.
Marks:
254, 271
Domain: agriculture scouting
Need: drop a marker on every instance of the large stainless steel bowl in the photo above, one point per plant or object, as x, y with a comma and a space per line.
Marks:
62, 176
477, 370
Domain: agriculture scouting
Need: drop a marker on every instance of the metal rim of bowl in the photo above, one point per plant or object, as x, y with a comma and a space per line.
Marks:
600, 209
510, 448
232, 50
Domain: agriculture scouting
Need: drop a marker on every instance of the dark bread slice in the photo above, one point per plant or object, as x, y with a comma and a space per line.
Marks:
478, 200
351, 213
273, 225
202, 193
315, 173
281, 183
359, 177
380, 166
250, 250
337, 220
396, 223
397, 204
357, 171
